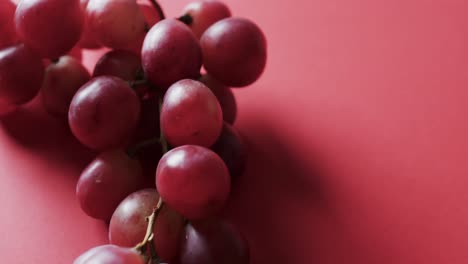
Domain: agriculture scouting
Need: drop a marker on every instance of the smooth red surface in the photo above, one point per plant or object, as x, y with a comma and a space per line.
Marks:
358, 140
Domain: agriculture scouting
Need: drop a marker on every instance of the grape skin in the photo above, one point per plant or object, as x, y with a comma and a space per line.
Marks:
170, 53
62, 80
87, 40
128, 224
41, 25
151, 18
104, 113
115, 24
106, 181
193, 180
120, 63
8, 35
231, 148
225, 97
191, 114
205, 13
213, 242
21, 75
234, 51
109, 254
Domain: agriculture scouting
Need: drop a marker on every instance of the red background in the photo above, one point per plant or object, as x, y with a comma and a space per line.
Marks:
358, 138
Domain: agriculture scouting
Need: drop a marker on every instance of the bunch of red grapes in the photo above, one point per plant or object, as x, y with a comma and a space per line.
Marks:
161, 123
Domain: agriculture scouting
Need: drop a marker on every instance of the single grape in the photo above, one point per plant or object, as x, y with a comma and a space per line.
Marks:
62, 80
115, 24
21, 75
170, 53
191, 114
87, 40
107, 180
104, 113
234, 51
120, 63
213, 242
151, 18
42, 26
128, 224
205, 13
110, 254
231, 148
225, 97
193, 180
8, 35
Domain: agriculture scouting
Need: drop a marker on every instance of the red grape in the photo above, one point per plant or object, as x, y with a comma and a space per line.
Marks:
234, 51
230, 147
205, 13
115, 24
193, 180
225, 97
87, 40
213, 242
106, 182
151, 18
120, 63
104, 113
21, 75
191, 114
7, 25
62, 80
76, 52
42, 26
128, 224
170, 53
110, 254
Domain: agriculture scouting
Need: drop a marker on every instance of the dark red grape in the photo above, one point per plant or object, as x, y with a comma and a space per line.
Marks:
191, 114
8, 35
128, 224
111, 177
61, 82
170, 53
21, 75
230, 147
213, 242
225, 97
205, 13
234, 51
104, 113
120, 63
41, 25
115, 24
110, 254
193, 180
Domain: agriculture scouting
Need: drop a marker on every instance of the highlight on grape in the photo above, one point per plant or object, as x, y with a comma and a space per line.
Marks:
158, 107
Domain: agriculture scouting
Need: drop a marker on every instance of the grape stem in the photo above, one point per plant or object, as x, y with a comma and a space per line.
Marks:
186, 19
158, 9
149, 236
